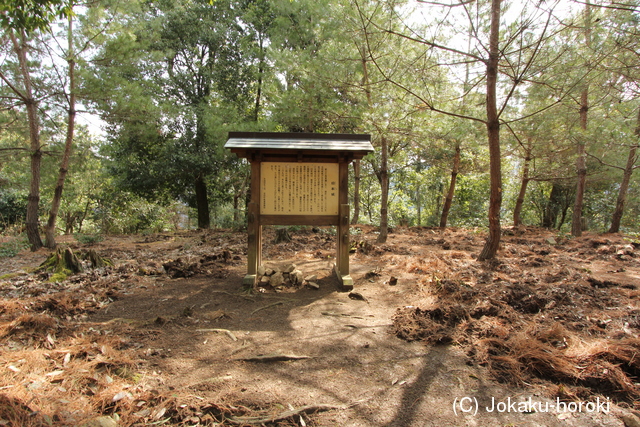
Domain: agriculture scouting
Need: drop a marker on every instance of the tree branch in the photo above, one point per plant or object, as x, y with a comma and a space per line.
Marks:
613, 5
433, 3
603, 163
364, 21
419, 40
12, 87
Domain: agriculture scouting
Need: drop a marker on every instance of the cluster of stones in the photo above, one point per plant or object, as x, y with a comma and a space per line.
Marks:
623, 252
289, 276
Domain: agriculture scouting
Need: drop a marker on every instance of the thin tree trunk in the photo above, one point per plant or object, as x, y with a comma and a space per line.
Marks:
448, 200
581, 169
523, 190
563, 217
202, 198
383, 177
419, 204
202, 203
356, 192
581, 161
365, 75
256, 112
493, 131
32, 219
624, 185
50, 230
557, 204
69, 222
84, 215
357, 169
236, 208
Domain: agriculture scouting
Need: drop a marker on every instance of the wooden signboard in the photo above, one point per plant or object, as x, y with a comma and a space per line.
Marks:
298, 179
299, 188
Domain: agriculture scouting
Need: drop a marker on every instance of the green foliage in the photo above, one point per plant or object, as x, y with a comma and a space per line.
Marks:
32, 15
633, 237
88, 239
126, 213
14, 246
13, 208
470, 201
600, 199
191, 68
305, 93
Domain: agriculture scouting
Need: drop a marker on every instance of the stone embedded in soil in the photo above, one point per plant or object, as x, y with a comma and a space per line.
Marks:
357, 296
264, 280
296, 277
605, 249
289, 276
100, 422
630, 420
277, 279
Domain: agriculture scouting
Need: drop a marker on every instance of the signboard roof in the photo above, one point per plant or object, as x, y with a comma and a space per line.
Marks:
242, 143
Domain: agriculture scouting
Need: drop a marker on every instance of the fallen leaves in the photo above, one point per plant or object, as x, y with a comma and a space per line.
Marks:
539, 323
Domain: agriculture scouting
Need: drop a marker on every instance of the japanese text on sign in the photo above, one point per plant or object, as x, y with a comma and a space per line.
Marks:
299, 188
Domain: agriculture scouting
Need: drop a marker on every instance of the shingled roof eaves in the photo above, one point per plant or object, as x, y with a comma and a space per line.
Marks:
294, 141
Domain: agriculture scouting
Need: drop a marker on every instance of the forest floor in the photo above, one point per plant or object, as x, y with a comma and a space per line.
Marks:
547, 333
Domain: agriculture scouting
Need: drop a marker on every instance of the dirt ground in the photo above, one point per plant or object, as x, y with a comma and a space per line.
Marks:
547, 335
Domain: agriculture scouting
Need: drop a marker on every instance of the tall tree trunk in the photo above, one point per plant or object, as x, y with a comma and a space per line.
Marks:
236, 208
493, 132
33, 202
83, 216
69, 222
356, 192
554, 205
357, 169
256, 112
202, 198
563, 216
419, 204
624, 185
523, 189
50, 230
581, 161
581, 169
448, 200
202, 203
383, 177
365, 74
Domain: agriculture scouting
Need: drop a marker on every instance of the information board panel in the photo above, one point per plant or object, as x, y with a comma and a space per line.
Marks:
299, 188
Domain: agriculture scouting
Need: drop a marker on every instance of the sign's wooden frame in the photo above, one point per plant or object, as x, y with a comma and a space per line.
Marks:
260, 147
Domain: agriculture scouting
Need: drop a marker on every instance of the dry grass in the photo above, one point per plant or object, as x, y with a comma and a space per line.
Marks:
54, 372
32, 324
73, 380
551, 331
